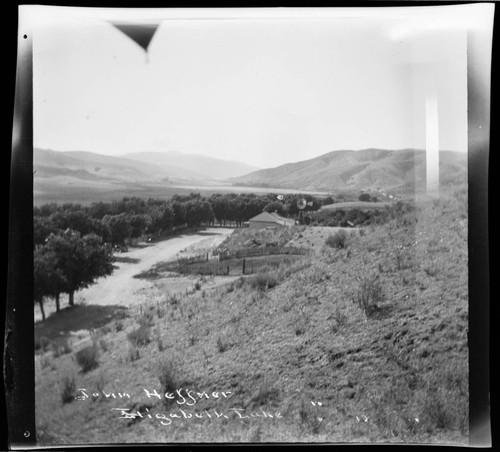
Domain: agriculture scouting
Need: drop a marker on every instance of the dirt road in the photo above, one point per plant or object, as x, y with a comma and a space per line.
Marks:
121, 288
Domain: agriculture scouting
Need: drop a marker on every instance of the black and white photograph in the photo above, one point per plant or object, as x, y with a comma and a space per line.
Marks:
252, 225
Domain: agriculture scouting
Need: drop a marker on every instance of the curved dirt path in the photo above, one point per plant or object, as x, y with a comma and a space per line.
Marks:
120, 288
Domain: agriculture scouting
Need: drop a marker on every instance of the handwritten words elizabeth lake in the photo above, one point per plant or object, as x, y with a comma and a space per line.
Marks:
182, 397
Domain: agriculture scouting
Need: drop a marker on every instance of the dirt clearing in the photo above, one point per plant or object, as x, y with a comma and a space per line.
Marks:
122, 289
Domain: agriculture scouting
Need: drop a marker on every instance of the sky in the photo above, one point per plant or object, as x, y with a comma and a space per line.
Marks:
264, 90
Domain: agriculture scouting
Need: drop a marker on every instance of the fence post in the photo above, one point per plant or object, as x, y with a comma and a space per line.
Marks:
228, 269
243, 271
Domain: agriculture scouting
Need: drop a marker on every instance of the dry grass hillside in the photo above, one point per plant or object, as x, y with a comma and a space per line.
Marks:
360, 169
365, 340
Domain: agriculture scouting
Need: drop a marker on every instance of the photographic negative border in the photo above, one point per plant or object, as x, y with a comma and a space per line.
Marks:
19, 336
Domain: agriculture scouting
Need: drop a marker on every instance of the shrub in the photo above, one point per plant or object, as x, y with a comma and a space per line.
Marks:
119, 326
169, 379
173, 300
337, 240
68, 389
133, 354
222, 346
147, 319
340, 319
432, 269
160, 312
140, 336
192, 340
86, 358
161, 344
267, 393
105, 330
368, 296
103, 344
440, 413
61, 346
300, 328
263, 281
41, 343
309, 418
45, 362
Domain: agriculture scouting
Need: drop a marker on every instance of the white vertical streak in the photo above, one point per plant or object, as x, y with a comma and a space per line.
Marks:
432, 141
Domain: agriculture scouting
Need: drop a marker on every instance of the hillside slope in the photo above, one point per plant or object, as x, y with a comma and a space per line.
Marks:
303, 347
365, 169
85, 165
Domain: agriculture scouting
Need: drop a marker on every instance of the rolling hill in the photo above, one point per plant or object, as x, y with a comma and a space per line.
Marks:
205, 167
90, 165
368, 168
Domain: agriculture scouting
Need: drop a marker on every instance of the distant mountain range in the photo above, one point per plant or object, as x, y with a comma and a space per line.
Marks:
170, 167
201, 167
79, 175
364, 169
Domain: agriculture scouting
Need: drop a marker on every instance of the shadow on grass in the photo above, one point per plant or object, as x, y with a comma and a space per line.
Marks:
126, 260
149, 275
79, 317
382, 312
139, 245
207, 233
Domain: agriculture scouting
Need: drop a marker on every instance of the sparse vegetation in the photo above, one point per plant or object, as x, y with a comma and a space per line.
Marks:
140, 336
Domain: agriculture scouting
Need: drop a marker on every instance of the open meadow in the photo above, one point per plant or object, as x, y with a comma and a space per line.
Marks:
363, 338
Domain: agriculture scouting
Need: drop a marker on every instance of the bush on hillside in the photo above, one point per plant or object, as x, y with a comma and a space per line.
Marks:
140, 336
369, 294
263, 281
61, 346
169, 378
68, 389
86, 358
337, 240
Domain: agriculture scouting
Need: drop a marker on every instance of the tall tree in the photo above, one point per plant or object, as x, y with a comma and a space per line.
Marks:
48, 280
119, 228
80, 260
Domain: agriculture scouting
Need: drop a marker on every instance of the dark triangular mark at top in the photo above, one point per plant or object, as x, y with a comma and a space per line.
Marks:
142, 34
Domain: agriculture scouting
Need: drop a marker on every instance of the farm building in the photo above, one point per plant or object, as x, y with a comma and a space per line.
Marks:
268, 219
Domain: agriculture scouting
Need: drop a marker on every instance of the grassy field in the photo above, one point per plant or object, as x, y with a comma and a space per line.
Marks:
363, 341
66, 190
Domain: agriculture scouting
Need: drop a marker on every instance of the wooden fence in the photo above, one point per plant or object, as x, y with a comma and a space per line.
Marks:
267, 251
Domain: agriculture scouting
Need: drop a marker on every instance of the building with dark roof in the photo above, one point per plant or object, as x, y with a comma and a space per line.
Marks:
269, 219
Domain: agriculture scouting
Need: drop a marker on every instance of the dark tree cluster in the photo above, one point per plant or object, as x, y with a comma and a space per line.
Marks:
67, 262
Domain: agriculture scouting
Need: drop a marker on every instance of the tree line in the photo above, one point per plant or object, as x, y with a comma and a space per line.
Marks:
73, 244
